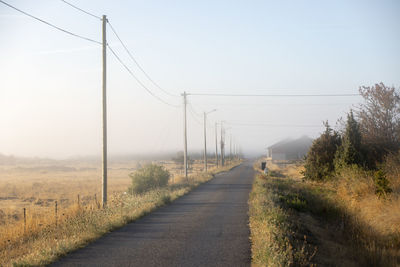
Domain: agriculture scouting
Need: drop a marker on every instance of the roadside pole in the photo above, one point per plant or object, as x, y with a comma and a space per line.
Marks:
230, 147
216, 144
205, 137
222, 145
205, 143
185, 136
104, 111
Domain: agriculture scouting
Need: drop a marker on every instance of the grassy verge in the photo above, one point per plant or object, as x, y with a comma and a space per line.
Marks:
275, 235
41, 242
299, 223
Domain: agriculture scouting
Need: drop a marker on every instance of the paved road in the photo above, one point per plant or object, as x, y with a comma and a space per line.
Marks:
207, 227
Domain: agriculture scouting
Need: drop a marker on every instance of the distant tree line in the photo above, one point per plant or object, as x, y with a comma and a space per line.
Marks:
369, 138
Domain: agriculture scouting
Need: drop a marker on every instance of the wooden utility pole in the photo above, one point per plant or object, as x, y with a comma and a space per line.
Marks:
185, 136
205, 138
216, 144
104, 99
205, 143
234, 149
222, 145
230, 147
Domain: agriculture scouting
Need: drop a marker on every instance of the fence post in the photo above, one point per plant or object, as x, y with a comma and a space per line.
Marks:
78, 201
56, 214
24, 220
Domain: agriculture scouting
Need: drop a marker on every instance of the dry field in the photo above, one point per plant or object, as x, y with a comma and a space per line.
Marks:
37, 184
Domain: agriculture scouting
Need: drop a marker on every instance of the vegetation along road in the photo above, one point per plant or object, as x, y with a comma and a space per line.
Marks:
207, 227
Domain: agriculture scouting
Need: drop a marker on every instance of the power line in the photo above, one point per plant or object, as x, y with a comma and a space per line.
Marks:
194, 116
80, 9
137, 63
276, 104
49, 24
272, 125
141, 84
270, 95
194, 111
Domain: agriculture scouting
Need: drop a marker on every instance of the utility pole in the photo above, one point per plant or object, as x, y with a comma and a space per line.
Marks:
234, 149
216, 144
230, 147
222, 145
205, 143
185, 136
104, 110
205, 138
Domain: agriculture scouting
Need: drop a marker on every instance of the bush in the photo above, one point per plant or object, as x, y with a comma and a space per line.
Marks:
381, 184
319, 160
149, 177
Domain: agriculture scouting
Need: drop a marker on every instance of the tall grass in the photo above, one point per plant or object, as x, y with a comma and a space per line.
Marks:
44, 238
373, 222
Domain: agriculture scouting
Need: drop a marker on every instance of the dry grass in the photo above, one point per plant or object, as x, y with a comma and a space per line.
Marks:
366, 229
374, 222
274, 234
46, 236
357, 189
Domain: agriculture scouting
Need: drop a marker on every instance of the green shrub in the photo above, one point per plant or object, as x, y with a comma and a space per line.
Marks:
350, 151
149, 177
381, 184
294, 201
272, 173
319, 163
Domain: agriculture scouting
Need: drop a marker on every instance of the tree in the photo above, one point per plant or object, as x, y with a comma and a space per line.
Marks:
319, 160
379, 119
350, 150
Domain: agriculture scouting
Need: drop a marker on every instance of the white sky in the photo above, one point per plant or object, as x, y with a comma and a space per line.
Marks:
50, 93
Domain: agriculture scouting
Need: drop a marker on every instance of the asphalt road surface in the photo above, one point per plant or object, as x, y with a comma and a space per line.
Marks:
207, 227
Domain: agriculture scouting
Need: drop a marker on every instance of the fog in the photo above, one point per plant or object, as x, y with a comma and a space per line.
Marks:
50, 93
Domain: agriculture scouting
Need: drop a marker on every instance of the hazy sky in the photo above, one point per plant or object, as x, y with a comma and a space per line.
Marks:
50, 93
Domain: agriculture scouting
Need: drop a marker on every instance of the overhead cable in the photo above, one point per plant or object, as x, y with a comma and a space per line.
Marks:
80, 9
194, 111
272, 125
138, 81
137, 63
271, 95
194, 116
49, 24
